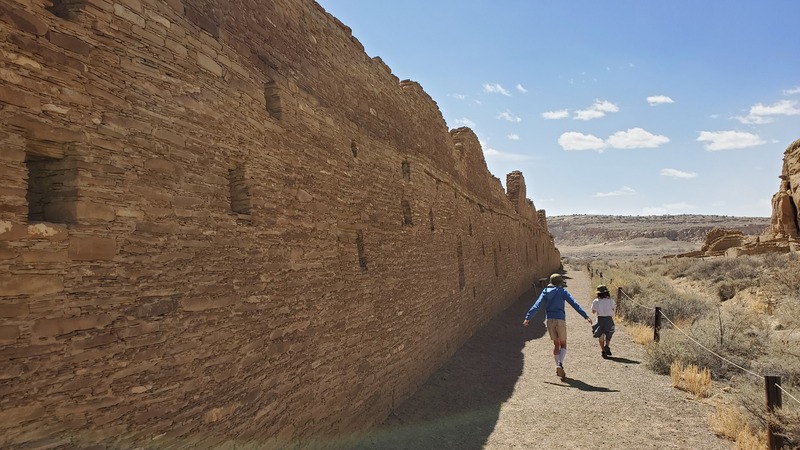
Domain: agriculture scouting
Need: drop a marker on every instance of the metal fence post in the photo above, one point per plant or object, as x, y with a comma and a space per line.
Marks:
771, 383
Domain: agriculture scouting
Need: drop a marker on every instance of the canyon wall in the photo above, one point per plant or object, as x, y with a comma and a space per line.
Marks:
222, 220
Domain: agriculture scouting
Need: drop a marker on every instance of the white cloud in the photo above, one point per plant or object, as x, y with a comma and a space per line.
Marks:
495, 89
605, 106
760, 113
727, 140
624, 190
597, 110
509, 116
588, 114
636, 138
458, 96
464, 122
521, 88
572, 140
671, 208
513, 137
792, 91
659, 100
552, 115
675, 173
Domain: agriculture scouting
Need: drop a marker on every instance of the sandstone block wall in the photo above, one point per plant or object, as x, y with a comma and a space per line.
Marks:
222, 220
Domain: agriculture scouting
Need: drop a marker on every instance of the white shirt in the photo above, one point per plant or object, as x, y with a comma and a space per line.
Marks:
603, 306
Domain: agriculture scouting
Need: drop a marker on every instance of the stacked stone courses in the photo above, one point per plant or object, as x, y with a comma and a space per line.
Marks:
222, 221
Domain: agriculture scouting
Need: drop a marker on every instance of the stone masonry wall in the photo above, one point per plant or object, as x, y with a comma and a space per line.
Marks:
222, 220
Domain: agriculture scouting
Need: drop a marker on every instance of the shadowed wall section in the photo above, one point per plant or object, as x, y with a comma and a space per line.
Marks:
223, 220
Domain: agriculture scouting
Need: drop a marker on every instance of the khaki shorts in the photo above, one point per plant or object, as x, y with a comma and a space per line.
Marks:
557, 329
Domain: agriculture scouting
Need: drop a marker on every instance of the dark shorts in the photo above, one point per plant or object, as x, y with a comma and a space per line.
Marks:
604, 325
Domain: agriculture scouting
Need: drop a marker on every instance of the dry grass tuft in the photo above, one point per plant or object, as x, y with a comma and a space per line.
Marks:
676, 372
728, 422
746, 440
691, 379
732, 424
641, 334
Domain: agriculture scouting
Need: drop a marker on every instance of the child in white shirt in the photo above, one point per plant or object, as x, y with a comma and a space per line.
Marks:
603, 306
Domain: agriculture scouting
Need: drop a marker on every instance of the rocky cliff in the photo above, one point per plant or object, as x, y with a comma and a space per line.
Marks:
786, 202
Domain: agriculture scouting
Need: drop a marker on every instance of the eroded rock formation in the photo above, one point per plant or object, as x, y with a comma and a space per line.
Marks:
222, 220
786, 202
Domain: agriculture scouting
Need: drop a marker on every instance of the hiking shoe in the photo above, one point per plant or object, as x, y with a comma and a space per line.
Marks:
607, 350
560, 371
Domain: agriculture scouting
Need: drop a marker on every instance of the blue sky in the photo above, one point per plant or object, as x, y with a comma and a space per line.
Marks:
622, 107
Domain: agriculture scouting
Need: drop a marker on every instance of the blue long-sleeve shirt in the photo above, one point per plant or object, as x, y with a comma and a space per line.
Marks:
553, 298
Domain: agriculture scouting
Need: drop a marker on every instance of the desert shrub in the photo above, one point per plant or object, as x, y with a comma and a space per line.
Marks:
726, 290
789, 423
783, 358
717, 269
721, 335
678, 267
749, 394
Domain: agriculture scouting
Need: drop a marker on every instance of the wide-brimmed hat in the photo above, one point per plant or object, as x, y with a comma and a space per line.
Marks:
557, 280
602, 289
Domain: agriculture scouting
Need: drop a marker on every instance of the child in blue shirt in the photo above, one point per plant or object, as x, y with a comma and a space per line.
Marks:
553, 298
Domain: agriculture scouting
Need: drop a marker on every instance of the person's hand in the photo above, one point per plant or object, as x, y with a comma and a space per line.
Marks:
525, 323
589, 320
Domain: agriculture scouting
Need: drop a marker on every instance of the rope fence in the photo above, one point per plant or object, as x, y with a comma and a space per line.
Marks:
772, 383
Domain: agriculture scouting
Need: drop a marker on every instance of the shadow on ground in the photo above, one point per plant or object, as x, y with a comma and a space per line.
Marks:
459, 405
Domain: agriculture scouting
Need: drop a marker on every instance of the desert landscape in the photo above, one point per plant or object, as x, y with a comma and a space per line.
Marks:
610, 237
225, 225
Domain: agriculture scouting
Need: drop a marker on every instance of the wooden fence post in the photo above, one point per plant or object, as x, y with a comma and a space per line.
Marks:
657, 325
771, 383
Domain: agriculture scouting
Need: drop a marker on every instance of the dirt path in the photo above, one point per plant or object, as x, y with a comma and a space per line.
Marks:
500, 391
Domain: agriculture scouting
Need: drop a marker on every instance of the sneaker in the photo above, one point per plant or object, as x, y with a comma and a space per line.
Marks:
560, 371
607, 350
604, 354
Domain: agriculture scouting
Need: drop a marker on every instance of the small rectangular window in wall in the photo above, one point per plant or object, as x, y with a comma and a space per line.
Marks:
52, 190
406, 168
408, 218
239, 190
362, 257
273, 99
460, 255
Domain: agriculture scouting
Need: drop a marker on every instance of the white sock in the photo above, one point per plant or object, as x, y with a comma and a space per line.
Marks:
556, 358
562, 355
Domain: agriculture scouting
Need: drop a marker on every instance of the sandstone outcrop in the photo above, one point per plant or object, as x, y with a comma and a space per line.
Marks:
786, 202
718, 240
221, 221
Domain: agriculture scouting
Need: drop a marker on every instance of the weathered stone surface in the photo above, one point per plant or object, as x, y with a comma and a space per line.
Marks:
92, 248
8, 333
23, 20
30, 284
212, 225
57, 327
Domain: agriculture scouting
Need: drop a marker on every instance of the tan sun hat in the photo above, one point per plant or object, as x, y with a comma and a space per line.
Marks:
602, 289
557, 280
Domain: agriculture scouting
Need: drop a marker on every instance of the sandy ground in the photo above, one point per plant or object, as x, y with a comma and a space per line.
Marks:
500, 391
